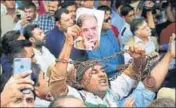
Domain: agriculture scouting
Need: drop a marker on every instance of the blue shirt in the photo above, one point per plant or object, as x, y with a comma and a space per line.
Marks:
107, 47
117, 20
45, 22
55, 40
6, 65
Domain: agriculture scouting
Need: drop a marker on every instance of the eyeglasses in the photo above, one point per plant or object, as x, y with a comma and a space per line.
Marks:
106, 20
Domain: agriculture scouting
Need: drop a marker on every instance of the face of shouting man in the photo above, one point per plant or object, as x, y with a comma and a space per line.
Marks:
95, 80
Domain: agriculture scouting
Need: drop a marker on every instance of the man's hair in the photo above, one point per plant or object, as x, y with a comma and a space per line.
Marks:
125, 9
59, 2
59, 13
83, 67
119, 3
136, 23
162, 102
104, 8
30, 5
9, 37
84, 17
57, 101
35, 73
67, 3
16, 49
28, 30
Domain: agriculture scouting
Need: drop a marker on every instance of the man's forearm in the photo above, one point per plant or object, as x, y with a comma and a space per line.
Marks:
150, 20
58, 85
159, 72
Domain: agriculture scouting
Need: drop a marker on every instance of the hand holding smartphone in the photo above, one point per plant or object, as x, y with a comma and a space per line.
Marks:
21, 65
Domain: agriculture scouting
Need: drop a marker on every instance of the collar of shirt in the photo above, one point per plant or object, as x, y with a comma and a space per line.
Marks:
48, 15
16, 12
138, 40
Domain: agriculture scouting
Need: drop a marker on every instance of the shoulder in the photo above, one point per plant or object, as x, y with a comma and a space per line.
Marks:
130, 41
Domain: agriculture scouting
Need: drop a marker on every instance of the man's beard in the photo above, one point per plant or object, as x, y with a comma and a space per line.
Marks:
39, 43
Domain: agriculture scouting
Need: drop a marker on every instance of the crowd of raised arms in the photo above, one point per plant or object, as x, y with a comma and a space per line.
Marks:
131, 64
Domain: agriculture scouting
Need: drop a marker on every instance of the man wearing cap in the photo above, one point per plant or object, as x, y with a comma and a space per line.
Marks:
94, 88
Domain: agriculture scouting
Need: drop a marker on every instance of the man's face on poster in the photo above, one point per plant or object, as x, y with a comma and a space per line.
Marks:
89, 32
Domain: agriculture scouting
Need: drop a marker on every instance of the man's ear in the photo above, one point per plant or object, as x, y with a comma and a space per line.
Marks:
137, 32
31, 39
58, 24
36, 91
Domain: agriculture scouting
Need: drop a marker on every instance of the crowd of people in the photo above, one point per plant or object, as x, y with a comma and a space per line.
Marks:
131, 65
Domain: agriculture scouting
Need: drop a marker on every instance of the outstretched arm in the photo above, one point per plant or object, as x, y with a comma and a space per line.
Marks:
159, 72
58, 74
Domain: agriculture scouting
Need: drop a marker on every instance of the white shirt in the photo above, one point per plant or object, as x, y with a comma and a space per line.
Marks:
44, 58
121, 87
125, 34
149, 47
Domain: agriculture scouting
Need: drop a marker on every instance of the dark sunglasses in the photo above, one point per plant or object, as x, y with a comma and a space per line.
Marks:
106, 20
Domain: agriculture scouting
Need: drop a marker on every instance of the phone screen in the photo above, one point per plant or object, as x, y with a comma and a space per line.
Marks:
21, 65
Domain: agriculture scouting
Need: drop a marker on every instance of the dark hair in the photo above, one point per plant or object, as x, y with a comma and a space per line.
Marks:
28, 30
119, 3
67, 3
162, 102
35, 73
125, 9
30, 5
136, 23
57, 102
59, 13
104, 8
16, 49
9, 37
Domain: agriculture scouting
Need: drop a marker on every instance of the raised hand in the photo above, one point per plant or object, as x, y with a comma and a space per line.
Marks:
13, 87
129, 103
72, 33
171, 50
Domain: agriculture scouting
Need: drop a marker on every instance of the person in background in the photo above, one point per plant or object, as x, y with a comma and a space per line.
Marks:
46, 21
36, 36
30, 17
7, 38
71, 7
55, 38
142, 37
128, 14
11, 17
67, 101
87, 4
162, 102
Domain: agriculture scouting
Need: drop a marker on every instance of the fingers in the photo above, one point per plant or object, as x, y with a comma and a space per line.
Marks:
73, 31
136, 50
129, 102
25, 86
172, 38
25, 81
23, 75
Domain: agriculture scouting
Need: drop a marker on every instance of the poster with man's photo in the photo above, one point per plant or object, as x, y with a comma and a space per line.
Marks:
90, 22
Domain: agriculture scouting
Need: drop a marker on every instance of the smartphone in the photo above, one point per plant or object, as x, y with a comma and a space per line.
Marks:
21, 65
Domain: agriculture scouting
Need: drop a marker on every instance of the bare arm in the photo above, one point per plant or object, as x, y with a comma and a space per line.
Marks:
149, 15
170, 14
150, 19
159, 72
